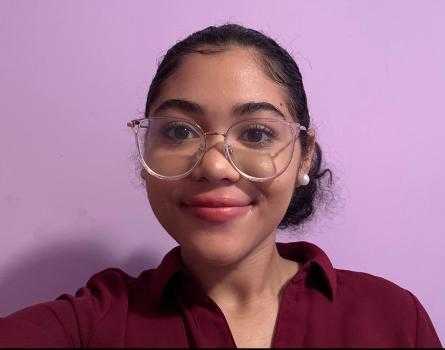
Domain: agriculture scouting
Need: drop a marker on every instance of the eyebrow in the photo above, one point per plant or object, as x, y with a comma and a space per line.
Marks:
252, 107
180, 105
239, 109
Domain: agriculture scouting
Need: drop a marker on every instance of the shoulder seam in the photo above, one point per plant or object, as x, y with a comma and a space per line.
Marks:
61, 323
76, 315
417, 313
124, 278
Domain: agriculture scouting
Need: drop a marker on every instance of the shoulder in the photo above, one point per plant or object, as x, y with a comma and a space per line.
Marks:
102, 304
357, 280
371, 299
69, 320
113, 280
365, 288
108, 288
45, 324
77, 320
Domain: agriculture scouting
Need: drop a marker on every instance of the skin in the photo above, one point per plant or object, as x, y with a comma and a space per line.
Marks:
236, 262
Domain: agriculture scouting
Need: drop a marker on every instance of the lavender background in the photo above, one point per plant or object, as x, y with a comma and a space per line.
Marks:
72, 73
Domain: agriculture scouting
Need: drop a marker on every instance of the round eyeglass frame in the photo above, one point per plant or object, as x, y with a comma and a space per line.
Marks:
135, 125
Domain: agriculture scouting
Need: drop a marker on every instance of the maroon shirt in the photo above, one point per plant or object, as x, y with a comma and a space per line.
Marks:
320, 306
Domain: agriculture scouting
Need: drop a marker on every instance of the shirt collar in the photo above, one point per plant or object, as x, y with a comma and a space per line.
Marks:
320, 272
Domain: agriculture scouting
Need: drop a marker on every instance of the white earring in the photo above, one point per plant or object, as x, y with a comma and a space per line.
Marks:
304, 180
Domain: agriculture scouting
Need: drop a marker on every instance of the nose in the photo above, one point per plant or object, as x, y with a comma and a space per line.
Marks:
214, 166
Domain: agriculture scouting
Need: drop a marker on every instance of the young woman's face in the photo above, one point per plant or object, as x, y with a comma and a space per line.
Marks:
249, 212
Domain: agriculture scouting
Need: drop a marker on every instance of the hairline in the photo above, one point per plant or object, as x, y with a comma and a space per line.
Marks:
265, 63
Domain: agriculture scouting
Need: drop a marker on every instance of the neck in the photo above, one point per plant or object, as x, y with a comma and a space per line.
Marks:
258, 276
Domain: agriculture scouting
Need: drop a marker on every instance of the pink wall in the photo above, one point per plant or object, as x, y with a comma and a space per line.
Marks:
73, 72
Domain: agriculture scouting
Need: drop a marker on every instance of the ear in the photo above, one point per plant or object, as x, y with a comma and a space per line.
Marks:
306, 161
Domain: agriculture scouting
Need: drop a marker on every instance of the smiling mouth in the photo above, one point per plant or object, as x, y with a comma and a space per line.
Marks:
217, 213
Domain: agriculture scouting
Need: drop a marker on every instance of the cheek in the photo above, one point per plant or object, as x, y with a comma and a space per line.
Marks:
277, 195
160, 195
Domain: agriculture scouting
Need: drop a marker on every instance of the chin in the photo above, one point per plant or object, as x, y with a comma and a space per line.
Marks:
219, 250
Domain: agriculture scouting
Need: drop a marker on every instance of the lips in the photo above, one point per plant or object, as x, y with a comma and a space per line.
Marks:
217, 209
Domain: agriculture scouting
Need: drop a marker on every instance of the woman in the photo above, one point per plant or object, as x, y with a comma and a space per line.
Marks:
228, 156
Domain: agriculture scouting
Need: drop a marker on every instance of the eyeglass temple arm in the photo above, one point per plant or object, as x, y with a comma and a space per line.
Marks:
135, 122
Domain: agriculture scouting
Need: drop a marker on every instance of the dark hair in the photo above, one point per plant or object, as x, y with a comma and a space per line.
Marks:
281, 68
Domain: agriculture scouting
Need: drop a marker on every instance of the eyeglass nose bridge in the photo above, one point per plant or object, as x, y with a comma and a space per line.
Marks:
227, 149
212, 133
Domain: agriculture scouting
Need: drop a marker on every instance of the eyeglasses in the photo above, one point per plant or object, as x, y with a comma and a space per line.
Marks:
259, 149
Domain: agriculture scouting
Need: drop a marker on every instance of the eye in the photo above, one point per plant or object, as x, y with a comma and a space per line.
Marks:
179, 131
257, 133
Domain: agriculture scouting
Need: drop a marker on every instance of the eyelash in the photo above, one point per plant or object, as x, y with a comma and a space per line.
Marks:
269, 132
170, 126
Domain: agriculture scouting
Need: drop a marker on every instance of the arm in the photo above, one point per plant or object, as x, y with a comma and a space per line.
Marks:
97, 314
47, 324
426, 335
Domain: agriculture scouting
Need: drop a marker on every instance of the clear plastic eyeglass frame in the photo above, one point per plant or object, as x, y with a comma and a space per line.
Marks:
135, 125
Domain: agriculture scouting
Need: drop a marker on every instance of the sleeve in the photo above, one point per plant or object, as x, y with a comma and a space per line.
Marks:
426, 336
51, 324
95, 315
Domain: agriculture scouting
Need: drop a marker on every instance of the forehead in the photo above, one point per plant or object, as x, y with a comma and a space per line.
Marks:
221, 80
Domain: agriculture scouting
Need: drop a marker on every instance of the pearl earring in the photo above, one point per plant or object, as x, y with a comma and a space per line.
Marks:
303, 180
